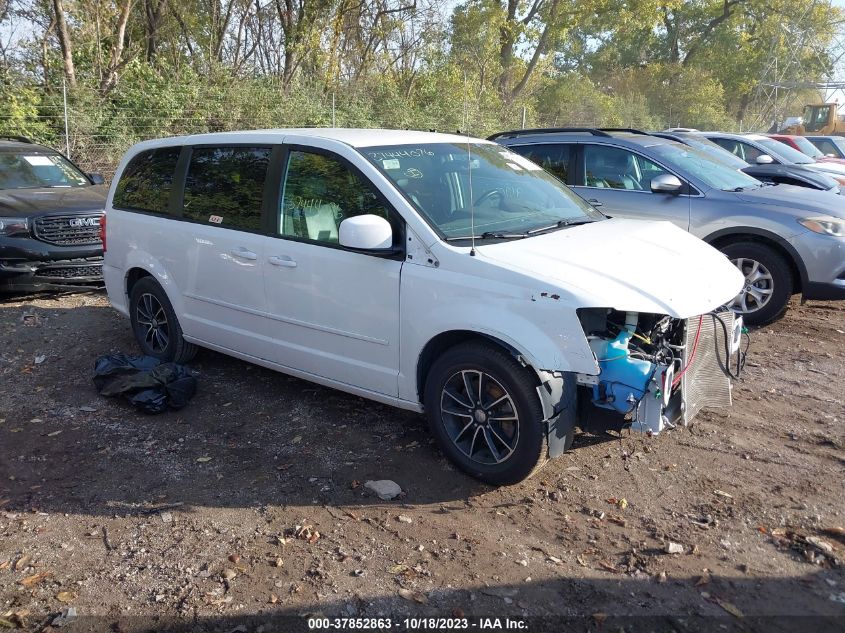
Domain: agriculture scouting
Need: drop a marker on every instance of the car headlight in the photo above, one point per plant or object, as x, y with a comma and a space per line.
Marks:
825, 225
13, 226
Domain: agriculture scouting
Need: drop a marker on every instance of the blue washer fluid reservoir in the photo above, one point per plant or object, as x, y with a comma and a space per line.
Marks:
622, 379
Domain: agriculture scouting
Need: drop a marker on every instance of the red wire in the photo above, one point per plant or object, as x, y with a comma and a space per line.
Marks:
677, 379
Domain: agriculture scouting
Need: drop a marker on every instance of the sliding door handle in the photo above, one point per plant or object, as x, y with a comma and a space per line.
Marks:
243, 253
284, 261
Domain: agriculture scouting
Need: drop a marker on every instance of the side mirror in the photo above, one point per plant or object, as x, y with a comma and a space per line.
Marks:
764, 159
97, 179
366, 232
666, 183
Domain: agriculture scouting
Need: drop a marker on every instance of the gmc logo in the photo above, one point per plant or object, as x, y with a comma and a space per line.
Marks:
78, 222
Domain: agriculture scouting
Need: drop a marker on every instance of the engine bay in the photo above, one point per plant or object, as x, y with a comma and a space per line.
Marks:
648, 363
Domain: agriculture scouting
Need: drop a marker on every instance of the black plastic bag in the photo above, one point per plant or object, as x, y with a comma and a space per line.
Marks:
147, 383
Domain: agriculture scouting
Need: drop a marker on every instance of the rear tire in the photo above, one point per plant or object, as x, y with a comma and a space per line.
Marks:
768, 285
485, 413
155, 325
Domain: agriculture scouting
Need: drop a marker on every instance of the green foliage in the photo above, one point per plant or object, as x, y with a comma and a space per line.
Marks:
21, 112
478, 67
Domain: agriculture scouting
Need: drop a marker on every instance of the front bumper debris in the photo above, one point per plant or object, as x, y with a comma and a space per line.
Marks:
72, 274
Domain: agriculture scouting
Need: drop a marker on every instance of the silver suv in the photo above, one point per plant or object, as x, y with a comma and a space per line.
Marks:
784, 239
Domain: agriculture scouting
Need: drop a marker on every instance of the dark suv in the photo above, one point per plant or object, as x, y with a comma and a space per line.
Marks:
49, 220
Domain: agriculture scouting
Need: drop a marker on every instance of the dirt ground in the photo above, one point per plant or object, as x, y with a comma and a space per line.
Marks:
249, 505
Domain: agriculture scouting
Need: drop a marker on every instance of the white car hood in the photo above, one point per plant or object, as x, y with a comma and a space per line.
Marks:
629, 265
830, 168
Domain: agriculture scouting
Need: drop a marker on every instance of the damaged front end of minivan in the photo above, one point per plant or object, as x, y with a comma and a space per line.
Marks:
653, 372
644, 336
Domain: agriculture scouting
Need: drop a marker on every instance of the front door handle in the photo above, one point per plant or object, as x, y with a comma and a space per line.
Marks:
283, 261
243, 253
595, 202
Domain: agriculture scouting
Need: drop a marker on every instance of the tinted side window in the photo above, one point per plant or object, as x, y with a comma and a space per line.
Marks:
225, 185
146, 182
731, 145
826, 147
320, 192
553, 158
750, 153
617, 168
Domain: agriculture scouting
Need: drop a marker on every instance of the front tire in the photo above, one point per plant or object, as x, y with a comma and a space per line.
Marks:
485, 413
768, 282
155, 325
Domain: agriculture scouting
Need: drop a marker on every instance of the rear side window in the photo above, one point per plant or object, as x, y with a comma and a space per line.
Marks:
225, 186
146, 182
554, 159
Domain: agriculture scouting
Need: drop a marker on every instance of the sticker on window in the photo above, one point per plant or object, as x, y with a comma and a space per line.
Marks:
390, 163
39, 161
215, 219
416, 152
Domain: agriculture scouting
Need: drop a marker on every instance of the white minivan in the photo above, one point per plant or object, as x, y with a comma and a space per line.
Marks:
428, 271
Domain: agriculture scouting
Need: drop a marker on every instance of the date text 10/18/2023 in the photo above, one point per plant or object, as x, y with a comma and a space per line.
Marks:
417, 624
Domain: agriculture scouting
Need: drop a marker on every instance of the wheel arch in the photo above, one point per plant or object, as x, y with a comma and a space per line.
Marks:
133, 276
722, 238
555, 391
437, 345
140, 264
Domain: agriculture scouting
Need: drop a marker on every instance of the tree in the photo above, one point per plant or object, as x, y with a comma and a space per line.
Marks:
65, 43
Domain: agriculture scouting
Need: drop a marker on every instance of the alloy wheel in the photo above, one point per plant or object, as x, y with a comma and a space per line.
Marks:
479, 416
758, 287
152, 320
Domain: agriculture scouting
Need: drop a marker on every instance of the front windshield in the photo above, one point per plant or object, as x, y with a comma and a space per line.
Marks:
784, 151
461, 188
715, 151
688, 160
807, 147
31, 170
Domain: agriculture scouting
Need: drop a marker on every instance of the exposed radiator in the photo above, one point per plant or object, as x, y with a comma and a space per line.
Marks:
705, 383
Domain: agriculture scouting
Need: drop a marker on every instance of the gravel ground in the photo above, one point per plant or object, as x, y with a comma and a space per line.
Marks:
250, 504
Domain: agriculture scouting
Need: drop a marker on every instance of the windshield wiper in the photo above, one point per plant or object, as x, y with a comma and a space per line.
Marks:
560, 224
498, 235
501, 236
486, 236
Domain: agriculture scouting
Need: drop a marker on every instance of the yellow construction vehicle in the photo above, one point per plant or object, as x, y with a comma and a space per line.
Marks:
819, 120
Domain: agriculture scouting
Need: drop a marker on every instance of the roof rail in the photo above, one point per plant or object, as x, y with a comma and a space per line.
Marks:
547, 130
19, 139
630, 130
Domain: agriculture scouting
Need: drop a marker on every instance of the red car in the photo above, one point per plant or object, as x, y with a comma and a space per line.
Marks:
805, 147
